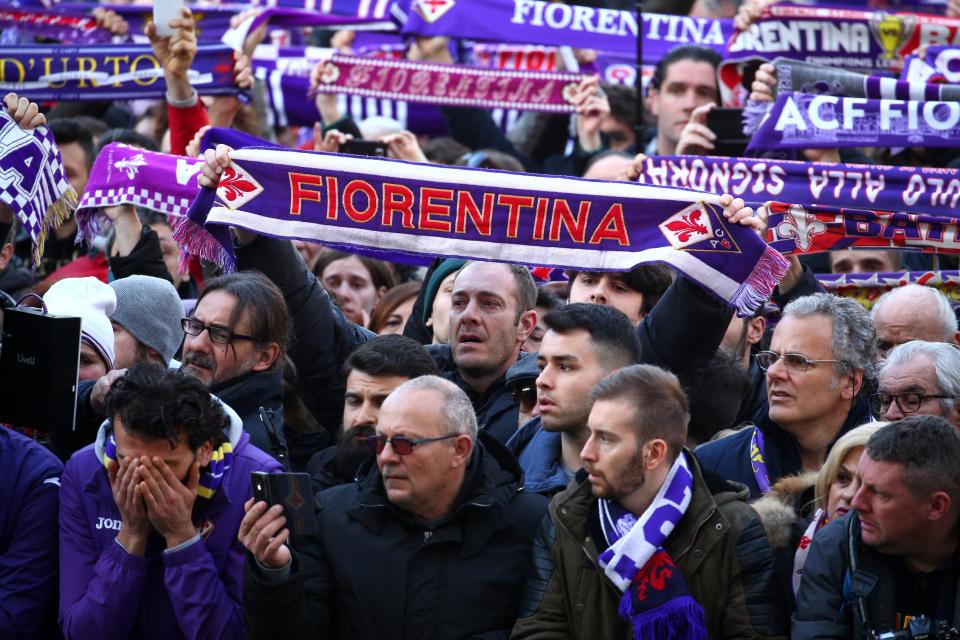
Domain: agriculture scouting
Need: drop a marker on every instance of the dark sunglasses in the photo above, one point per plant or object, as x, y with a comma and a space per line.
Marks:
402, 446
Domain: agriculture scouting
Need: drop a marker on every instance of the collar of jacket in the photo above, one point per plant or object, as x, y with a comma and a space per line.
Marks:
443, 355
481, 509
251, 390
781, 451
691, 541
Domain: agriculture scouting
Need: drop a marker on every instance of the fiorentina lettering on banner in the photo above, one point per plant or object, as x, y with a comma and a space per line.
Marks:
386, 204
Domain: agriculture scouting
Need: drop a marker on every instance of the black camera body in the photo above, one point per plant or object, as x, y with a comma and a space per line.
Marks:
922, 628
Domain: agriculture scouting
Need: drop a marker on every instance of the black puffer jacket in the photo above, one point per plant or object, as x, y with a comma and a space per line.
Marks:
374, 573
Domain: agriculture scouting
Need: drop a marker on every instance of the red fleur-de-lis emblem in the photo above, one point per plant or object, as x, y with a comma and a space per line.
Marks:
234, 185
805, 542
688, 226
654, 574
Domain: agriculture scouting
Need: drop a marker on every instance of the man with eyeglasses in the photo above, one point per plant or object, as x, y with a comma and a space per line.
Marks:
434, 543
919, 377
821, 357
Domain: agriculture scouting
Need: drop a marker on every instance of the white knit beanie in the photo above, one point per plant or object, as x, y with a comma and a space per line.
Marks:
91, 300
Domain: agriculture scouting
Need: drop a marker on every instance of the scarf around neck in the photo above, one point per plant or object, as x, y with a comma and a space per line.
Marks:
656, 599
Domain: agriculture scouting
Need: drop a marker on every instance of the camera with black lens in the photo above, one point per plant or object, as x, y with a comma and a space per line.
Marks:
922, 628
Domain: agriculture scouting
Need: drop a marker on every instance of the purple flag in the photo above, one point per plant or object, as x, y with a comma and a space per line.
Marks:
866, 288
803, 121
106, 72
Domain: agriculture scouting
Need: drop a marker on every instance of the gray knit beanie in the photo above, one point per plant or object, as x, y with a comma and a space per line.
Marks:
151, 310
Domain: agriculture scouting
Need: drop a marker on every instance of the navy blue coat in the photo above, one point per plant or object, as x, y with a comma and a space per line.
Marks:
30, 477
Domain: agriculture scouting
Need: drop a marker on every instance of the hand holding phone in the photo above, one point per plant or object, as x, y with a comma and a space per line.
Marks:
364, 148
294, 493
163, 12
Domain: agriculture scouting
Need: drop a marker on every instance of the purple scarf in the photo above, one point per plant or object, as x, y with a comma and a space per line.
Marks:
33, 182
53, 24
538, 220
106, 72
794, 229
555, 24
803, 121
292, 18
128, 175
888, 188
449, 85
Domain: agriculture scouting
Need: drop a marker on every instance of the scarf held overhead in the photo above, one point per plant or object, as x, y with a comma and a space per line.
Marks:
888, 188
33, 182
106, 72
457, 212
450, 85
656, 599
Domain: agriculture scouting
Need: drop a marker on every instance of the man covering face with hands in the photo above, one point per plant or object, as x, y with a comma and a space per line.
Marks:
149, 514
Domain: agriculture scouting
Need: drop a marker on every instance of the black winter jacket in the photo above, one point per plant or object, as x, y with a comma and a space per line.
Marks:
374, 573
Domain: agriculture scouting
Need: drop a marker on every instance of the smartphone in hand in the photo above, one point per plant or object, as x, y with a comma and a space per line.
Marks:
727, 125
163, 12
294, 492
364, 148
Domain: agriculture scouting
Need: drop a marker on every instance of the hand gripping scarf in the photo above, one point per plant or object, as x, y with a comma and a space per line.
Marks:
33, 182
656, 599
425, 209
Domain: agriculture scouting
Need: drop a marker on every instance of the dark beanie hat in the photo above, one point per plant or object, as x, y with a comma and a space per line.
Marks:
448, 266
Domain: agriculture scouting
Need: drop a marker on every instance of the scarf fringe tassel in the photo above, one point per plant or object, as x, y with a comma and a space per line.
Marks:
759, 285
681, 618
55, 215
199, 242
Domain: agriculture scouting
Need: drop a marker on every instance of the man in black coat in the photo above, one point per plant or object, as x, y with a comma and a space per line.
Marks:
435, 543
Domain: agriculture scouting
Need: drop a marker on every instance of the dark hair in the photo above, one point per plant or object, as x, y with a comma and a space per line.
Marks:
652, 280
927, 448
548, 299
391, 355
256, 295
156, 403
444, 150
95, 126
128, 137
659, 403
687, 52
623, 103
490, 159
613, 336
381, 273
8, 232
717, 400
68, 131
390, 301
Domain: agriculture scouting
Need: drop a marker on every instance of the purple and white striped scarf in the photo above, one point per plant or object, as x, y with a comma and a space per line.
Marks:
33, 182
656, 600
537, 220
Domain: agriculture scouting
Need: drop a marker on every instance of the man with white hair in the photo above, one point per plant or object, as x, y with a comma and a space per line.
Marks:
434, 542
913, 312
919, 377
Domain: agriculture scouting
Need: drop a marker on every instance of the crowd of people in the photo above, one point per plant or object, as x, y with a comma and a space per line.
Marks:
494, 450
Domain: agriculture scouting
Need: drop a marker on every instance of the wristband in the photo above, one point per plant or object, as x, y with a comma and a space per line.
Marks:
184, 104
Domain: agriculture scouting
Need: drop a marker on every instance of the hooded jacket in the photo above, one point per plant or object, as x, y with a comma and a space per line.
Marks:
539, 453
193, 591
374, 572
30, 477
718, 545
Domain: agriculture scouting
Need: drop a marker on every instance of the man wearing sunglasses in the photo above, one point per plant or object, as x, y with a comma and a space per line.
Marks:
434, 543
919, 378
821, 357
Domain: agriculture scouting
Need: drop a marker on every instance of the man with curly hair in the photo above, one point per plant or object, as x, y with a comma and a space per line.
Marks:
150, 512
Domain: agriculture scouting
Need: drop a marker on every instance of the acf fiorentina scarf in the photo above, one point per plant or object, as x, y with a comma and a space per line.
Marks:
211, 476
818, 522
866, 288
656, 599
425, 209
33, 182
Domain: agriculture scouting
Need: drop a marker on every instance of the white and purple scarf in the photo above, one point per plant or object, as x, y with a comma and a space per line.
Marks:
424, 209
33, 182
656, 599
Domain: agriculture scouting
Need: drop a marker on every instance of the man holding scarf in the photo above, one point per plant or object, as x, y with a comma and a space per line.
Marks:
674, 554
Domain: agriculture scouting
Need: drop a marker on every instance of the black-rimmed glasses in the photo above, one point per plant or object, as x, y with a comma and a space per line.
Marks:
907, 402
218, 335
